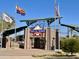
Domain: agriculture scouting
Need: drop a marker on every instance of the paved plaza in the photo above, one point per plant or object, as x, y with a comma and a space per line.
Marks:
17, 57
21, 53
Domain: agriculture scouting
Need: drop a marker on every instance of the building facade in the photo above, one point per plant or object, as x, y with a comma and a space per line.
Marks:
40, 38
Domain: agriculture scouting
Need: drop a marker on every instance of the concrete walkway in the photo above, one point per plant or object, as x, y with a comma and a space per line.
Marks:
17, 57
21, 53
27, 54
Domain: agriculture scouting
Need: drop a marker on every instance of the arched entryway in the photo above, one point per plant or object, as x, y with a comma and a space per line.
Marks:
39, 43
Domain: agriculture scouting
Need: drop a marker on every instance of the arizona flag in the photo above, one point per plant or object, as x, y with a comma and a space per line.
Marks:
20, 10
7, 18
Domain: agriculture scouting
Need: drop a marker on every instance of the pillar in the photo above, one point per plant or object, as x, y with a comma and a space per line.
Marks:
48, 39
54, 39
8, 44
57, 39
27, 41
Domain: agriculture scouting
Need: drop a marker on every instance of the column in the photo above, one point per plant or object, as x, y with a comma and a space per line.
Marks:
8, 44
48, 39
57, 39
27, 44
54, 39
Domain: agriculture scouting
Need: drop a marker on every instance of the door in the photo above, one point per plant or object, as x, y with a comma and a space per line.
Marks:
37, 43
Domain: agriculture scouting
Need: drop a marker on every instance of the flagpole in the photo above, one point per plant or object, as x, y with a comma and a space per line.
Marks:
2, 31
59, 19
55, 25
59, 32
55, 35
15, 34
57, 15
15, 31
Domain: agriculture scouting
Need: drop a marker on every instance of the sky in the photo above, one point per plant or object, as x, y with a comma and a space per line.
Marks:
69, 10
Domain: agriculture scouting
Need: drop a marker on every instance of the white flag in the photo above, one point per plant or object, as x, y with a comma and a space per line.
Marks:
7, 18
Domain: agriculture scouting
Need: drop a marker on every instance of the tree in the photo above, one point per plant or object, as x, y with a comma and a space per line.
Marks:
5, 25
70, 45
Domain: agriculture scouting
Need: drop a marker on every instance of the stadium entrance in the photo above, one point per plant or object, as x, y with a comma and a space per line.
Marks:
37, 36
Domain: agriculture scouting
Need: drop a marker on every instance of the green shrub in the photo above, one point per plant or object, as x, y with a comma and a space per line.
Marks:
70, 45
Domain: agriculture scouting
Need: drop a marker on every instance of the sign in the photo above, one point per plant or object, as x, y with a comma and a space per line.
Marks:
32, 31
37, 31
37, 34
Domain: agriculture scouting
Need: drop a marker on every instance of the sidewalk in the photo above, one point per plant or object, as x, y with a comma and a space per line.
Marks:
23, 52
17, 57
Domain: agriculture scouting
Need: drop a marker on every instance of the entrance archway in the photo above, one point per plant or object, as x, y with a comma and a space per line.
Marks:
39, 43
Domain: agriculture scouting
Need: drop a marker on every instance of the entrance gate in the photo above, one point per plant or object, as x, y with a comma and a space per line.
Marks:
49, 34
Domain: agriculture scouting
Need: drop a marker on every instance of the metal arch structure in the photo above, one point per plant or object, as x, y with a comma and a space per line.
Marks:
31, 21
28, 22
72, 27
12, 31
